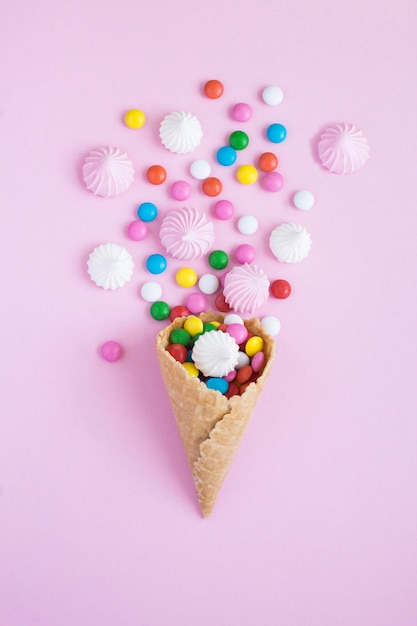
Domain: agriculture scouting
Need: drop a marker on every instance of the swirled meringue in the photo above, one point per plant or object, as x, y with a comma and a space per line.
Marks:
180, 132
246, 288
108, 171
343, 148
290, 242
186, 233
110, 266
215, 354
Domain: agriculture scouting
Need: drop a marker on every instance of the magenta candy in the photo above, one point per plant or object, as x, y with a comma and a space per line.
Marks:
273, 181
111, 351
196, 303
258, 361
137, 230
238, 332
245, 253
224, 209
241, 112
180, 190
231, 376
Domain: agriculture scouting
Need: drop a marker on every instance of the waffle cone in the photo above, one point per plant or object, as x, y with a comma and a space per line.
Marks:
211, 426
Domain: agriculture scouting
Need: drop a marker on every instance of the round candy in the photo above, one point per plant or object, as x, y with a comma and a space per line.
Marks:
239, 332
213, 89
156, 174
276, 133
273, 181
232, 318
212, 186
200, 169
241, 112
111, 351
151, 291
134, 118
191, 369
247, 225
245, 253
254, 345
218, 259
178, 311
180, 190
268, 161
186, 277
218, 384
303, 200
247, 174
193, 325
280, 289
221, 304
178, 352
226, 155
224, 209
196, 302
137, 230
271, 325
272, 95
208, 283
160, 310
156, 263
239, 140
147, 211
180, 335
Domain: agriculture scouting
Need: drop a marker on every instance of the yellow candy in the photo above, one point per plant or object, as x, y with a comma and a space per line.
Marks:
193, 325
186, 277
135, 118
216, 324
254, 345
247, 174
191, 369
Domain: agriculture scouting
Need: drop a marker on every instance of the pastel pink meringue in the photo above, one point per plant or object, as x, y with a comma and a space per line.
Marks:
343, 148
246, 288
186, 233
108, 171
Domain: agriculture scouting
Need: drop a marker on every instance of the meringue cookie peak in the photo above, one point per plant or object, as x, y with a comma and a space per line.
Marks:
215, 354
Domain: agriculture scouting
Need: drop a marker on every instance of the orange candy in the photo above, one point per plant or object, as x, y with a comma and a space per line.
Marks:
156, 174
212, 186
268, 161
213, 89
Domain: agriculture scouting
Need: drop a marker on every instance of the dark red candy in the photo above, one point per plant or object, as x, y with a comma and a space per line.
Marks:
178, 311
232, 391
221, 303
280, 289
178, 351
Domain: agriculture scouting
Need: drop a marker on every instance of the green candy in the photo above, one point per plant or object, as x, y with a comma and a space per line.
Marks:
218, 259
160, 310
207, 327
180, 335
239, 140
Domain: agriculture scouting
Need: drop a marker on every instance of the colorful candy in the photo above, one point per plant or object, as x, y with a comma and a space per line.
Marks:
134, 118
213, 89
268, 161
160, 310
212, 186
200, 169
272, 95
241, 112
147, 212
178, 311
156, 174
196, 302
226, 155
303, 200
180, 190
247, 225
239, 140
245, 253
111, 351
224, 209
280, 289
151, 291
273, 181
186, 277
276, 133
218, 259
137, 230
247, 174
208, 283
156, 264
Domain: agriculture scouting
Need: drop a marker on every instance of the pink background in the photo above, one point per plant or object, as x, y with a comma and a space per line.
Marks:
99, 522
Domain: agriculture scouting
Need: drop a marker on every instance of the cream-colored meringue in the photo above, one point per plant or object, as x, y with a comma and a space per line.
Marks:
186, 233
108, 171
110, 266
180, 132
290, 242
343, 148
246, 288
215, 354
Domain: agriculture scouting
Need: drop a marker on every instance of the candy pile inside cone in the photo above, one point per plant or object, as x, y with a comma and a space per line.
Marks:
211, 425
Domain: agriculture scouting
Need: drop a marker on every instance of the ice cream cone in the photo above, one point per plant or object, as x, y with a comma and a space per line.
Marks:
211, 425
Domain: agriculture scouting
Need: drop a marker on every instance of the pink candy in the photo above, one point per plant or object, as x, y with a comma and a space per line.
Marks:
258, 361
137, 230
238, 332
111, 351
273, 181
196, 303
242, 112
180, 190
224, 209
245, 253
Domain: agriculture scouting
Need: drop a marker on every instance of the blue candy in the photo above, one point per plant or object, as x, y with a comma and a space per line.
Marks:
276, 133
226, 155
156, 263
218, 384
147, 212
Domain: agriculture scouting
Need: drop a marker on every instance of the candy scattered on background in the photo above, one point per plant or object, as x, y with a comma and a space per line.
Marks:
303, 200
134, 118
111, 351
272, 95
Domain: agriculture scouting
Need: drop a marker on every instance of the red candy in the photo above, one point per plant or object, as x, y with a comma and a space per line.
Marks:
268, 161
222, 327
213, 89
244, 374
233, 390
178, 351
156, 174
178, 311
280, 289
221, 303
212, 186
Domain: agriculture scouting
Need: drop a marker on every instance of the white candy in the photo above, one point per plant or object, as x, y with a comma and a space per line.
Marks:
200, 169
247, 225
151, 291
303, 200
242, 360
272, 95
233, 318
208, 283
271, 325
